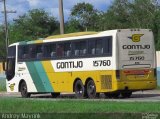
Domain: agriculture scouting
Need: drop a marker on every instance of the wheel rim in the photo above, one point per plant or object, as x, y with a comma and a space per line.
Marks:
91, 89
23, 89
79, 89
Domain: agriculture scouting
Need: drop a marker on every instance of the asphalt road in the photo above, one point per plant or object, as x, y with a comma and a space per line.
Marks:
148, 96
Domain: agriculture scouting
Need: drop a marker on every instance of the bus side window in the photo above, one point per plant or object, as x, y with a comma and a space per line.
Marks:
95, 46
76, 52
67, 49
23, 52
99, 46
80, 48
32, 51
64, 49
59, 50
83, 48
20, 53
108, 45
49, 50
91, 45
84, 51
53, 50
93, 51
39, 51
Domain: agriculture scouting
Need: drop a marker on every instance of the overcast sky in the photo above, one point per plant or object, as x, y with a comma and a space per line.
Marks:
51, 6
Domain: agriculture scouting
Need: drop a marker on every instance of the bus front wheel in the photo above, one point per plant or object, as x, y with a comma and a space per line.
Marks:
23, 90
79, 89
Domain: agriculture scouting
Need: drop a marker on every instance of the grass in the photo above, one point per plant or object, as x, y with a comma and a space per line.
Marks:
2, 85
78, 107
74, 106
158, 87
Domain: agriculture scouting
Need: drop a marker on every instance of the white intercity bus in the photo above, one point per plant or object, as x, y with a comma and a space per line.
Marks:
112, 62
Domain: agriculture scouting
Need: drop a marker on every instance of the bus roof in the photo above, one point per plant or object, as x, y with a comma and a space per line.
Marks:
58, 36
75, 36
71, 35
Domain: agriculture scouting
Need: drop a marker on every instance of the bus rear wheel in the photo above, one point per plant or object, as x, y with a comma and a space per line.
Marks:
79, 89
91, 89
126, 94
23, 90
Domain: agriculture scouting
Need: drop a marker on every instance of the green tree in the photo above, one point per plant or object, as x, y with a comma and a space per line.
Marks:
133, 14
117, 16
35, 24
2, 44
130, 14
142, 13
84, 15
73, 26
156, 29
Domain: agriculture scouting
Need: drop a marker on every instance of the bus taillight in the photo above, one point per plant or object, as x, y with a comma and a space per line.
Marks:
137, 72
127, 72
146, 71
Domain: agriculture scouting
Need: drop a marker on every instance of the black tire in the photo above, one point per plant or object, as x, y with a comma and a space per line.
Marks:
112, 95
23, 90
126, 94
55, 95
79, 89
91, 89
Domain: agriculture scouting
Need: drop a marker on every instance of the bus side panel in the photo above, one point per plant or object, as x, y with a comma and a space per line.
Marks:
39, 77
84, 75
108, 81
22, 73
105, 81
60, 81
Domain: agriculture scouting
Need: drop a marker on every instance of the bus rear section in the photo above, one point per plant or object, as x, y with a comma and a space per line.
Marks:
136, 61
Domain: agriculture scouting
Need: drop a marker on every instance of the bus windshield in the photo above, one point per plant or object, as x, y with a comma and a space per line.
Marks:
10, 72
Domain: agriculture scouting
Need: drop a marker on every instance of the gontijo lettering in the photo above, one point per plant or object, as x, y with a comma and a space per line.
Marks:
70, 64
136, 46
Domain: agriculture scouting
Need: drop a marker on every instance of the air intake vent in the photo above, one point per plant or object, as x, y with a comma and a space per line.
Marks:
106, 82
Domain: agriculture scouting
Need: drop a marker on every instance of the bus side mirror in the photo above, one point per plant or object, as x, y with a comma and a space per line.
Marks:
4, 66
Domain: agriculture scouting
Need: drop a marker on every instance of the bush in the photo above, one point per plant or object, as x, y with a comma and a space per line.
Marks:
2, 85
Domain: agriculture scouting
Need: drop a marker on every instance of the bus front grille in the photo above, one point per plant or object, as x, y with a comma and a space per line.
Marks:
106, 82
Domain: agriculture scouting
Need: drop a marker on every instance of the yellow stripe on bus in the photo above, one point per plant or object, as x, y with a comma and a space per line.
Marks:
50, 73
72, 35
38, 41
